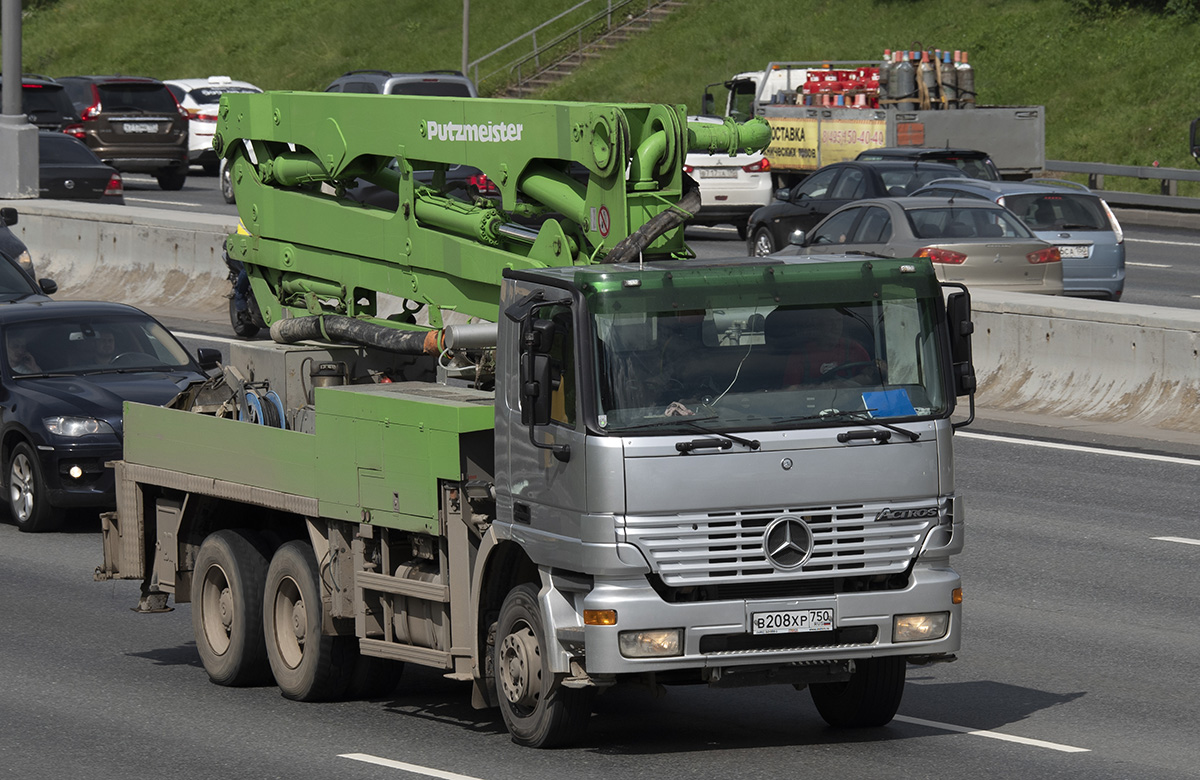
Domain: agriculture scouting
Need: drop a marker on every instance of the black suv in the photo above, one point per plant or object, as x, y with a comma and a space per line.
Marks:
133, 124
44, 101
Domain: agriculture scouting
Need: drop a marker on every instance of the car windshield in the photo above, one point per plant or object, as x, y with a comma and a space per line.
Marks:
954, 222
59, 149
14, 283
1059, 211
731, 351
210, 96
98, 344
154, 98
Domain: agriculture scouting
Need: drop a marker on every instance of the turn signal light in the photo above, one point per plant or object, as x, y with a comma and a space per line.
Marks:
762, 166
947, 256
1048, 255
599, 617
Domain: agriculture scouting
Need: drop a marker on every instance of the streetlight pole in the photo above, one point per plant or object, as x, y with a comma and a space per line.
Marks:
18, 138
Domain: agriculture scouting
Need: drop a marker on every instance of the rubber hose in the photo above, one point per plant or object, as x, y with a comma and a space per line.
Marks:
333, 327
628, 249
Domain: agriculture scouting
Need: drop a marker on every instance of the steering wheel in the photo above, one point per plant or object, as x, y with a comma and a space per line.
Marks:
846, 370
121, 356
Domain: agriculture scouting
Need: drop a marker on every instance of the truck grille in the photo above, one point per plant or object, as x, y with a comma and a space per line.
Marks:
708, 549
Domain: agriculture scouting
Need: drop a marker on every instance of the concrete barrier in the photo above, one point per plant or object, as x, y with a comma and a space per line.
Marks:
145, 257
1067, 358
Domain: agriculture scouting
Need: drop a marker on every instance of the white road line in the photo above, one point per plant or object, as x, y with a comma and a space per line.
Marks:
164, 203
994, 735
1050, 445
206, 337
1177, 539
1149, 265
413, 768
1155, 241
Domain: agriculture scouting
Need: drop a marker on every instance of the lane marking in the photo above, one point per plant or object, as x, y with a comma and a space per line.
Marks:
994, 735
1050, 445
1156, 241
1149, 265
1176, 539
366, 758
171, 203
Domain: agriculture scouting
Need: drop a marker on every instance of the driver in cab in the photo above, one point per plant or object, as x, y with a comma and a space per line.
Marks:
821, 353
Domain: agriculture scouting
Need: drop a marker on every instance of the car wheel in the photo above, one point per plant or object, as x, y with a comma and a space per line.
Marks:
763, 244
27, 492
210, 168
226, 183
171, 180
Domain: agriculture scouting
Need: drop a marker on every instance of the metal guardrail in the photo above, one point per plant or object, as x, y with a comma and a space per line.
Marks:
599, 22
1168, 179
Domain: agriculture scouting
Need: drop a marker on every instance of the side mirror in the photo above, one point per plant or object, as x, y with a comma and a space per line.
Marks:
958, 319
707, 103
208, 358
539, 379
48, 286
8, 215
797, 238
783, 193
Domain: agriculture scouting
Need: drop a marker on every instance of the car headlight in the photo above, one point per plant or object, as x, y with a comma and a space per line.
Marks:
25, 261
74, 427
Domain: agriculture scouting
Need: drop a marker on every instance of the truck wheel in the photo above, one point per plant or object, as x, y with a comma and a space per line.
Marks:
763, 244
373, 677
538, 711
27, 492
308, 665
869, 698
227, 589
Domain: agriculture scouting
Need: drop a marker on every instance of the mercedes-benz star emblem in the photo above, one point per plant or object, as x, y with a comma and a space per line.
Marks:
787, 542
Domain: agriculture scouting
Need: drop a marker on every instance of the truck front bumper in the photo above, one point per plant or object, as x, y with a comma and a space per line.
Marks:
719, 634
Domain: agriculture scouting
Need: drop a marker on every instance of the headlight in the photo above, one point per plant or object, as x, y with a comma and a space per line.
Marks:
915, 628
659, 643
74, 427
26, 262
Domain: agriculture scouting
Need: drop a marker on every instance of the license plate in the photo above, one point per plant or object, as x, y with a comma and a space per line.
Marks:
1073, 251
718, 173
140, 127
793, 621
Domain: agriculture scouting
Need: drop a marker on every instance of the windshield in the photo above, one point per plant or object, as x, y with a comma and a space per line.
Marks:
1059, 211
91, 345
735, 352
952, 222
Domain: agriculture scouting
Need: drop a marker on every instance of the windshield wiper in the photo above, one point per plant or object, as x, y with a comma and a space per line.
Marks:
854, 415
694, 424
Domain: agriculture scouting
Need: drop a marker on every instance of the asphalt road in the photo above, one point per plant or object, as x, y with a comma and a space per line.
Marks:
1079, 644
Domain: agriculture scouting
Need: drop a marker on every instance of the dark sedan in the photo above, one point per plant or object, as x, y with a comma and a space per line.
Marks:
833, 186
68, 170
67, 369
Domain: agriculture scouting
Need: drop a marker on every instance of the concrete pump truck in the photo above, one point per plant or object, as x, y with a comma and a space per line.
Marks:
533, 442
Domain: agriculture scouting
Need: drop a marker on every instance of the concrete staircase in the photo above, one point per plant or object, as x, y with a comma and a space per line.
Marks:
599, 47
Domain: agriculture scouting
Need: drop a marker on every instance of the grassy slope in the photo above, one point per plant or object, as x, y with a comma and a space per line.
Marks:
1113, 91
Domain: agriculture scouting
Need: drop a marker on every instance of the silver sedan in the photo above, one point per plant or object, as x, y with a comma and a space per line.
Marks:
971, 241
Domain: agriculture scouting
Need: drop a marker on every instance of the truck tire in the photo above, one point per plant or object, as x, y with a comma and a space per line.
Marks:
538, 711
868, 699
31, 511
227, 593
308, 665
763, 244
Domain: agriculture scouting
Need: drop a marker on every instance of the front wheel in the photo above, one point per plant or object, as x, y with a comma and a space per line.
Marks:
242, 321
868, 699
227, 597
226, 182
171, 180
308, 665
538, 711
763, 243
27, 492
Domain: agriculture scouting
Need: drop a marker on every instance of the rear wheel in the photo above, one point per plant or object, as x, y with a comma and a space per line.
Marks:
537, 709
27, 492
308, 665
171, 180
763, 244
226, 182
869, 698
242, 321
227, 590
